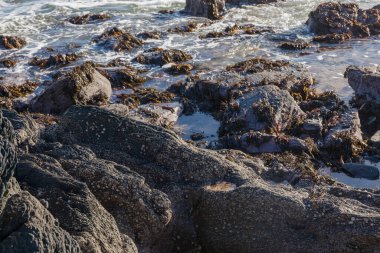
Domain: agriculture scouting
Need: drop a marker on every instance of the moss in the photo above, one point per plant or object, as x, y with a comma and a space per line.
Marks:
186, 28
84, 19
55, 60
22, 90
118, 40
11, 42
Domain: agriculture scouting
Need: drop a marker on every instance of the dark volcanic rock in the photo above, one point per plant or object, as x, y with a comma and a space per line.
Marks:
139, 211
84, 19
337, 18
180, 69
212, 9
118, 40
8, 153
212, 90
159, 56
71, 202
83, 85
27, 226
11, 42
209, 192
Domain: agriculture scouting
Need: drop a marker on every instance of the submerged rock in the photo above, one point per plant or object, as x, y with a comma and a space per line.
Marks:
362, 171
118, 40
340, 18
11, 42
82, 85
332, 38
159, 56
84, 19
7, 63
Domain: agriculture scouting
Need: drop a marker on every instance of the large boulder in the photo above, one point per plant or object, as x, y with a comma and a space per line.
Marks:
341, 18
212, 9
140, 211
83, 85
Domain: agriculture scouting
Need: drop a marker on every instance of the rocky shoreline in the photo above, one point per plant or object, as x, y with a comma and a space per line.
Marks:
87, 169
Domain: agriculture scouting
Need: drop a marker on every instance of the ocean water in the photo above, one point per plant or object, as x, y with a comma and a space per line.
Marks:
43, 24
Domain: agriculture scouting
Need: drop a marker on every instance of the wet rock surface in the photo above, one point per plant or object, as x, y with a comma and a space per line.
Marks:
339, 20
212, 9
11, 42
82, 85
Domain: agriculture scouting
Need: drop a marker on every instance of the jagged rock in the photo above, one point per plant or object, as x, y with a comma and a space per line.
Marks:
159, 56
84, 19
26, 129
11, 42
212, 9
139, 211
27, 226
118, 40
365, 81
213, 89
341, 18
82, 85
266, 107
8, 157
72, 203
362, 171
